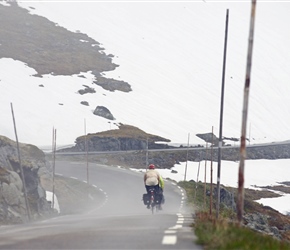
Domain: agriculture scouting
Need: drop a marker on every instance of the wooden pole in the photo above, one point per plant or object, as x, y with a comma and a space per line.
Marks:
20, 166
240, 203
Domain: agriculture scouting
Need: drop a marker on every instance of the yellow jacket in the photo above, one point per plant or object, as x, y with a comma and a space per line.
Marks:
161, 182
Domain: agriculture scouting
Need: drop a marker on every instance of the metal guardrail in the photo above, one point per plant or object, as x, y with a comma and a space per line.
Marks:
167, 149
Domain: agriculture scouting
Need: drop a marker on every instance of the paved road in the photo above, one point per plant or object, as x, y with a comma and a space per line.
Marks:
119, 221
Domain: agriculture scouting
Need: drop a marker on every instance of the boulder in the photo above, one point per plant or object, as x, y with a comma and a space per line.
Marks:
226, 198
103, 112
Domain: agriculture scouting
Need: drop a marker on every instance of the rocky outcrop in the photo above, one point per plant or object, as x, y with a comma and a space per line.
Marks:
114, 144
125, 138
12, 202
256, 221
112, 84
259, 222
86, 90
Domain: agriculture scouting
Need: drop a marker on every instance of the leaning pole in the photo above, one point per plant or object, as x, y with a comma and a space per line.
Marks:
21, 168
221, 119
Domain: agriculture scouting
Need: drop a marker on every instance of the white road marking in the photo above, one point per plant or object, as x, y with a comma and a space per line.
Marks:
180, 221
175, 227
169, 240
170, 231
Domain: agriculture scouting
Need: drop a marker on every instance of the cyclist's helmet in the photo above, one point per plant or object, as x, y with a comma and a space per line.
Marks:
151, 166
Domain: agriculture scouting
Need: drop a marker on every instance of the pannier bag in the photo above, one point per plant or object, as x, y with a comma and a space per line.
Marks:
146, 199
159, 198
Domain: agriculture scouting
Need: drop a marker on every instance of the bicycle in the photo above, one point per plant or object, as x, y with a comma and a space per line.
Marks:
154, 202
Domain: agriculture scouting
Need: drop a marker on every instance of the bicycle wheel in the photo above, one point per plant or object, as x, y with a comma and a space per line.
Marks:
158, 208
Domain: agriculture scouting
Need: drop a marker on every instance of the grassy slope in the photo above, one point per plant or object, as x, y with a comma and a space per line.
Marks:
225, 233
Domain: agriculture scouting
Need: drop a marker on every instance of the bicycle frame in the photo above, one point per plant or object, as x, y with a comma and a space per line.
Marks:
154, 203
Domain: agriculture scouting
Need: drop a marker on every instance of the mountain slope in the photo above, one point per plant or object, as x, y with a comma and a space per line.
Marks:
171, 55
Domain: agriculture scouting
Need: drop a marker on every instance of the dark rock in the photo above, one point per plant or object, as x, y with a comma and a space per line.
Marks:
112, 84
86, 90
226, 198
103, 112
85, 103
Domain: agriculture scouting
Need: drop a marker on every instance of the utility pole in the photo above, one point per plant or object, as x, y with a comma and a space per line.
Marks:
53, 165
240, 205
210, 206
186, 157
221, 118
147, 153
20, 166
86, 149
204, 195
197, 180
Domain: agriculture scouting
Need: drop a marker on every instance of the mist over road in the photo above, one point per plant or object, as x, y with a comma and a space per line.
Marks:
119, 221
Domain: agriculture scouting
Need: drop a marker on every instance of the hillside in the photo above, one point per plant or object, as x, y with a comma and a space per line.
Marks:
157, 76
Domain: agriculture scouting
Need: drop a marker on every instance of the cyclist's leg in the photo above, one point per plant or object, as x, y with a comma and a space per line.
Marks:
147, 188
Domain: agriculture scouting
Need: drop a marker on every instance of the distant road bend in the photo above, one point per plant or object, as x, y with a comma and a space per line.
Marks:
119, 221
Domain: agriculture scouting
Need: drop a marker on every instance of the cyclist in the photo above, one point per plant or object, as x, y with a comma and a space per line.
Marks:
152, 178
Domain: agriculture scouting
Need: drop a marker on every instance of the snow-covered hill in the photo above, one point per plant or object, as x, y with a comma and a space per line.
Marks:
171, 54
